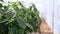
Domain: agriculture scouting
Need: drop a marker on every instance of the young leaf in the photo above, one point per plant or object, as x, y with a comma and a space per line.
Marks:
29, 25
21, 22
13, 30
9, 15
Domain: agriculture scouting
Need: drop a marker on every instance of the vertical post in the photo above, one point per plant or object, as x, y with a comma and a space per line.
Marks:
53, 18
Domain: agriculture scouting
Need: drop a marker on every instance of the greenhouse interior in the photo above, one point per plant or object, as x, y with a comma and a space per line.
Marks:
29, 16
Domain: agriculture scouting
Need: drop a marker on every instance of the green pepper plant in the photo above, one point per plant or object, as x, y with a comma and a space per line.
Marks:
15, 18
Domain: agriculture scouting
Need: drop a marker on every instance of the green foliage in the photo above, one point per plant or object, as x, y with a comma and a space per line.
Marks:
1, 0
18, 19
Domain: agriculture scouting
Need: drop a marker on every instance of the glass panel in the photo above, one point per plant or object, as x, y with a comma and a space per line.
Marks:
56, 16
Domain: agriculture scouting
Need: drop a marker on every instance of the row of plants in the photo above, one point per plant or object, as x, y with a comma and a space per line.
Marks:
15, 18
